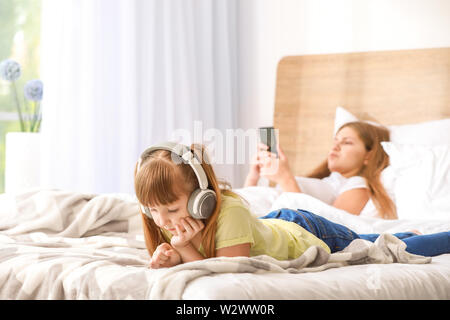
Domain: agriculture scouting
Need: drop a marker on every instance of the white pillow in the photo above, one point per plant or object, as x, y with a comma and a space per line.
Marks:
342, 117
421, 179
259, 198
430, 133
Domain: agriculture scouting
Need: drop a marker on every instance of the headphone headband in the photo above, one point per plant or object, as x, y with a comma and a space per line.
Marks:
185, 154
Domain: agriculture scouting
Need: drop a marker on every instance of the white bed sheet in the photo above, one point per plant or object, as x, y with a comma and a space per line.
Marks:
375, 281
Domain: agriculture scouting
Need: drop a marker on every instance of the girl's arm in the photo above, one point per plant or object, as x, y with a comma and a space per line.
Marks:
289, 184
253, 174
188, 253
239, 250
352, 201
251, 180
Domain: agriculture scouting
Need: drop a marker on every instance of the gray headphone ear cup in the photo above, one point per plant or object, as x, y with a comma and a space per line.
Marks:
201, 203
146, 211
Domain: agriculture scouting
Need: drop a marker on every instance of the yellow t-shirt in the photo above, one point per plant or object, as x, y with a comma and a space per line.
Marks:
280, 239
277, 238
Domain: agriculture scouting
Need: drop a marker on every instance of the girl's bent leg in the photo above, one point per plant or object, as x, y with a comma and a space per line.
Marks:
404, 235
373, 236
429, 245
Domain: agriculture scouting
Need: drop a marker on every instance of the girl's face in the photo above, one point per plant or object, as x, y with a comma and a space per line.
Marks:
348, 154
170, 215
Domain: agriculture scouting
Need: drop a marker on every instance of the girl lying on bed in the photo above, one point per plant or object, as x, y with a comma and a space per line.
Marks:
348, 179
178, 228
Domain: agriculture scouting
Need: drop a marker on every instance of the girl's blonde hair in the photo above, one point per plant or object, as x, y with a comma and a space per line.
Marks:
160, 181
372, 136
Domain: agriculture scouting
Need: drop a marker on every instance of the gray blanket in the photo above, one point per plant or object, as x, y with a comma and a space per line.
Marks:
67, 245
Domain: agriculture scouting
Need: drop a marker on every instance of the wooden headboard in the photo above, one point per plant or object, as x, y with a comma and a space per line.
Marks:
390, 87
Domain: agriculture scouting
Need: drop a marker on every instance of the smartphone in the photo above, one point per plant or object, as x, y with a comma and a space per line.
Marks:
268, 137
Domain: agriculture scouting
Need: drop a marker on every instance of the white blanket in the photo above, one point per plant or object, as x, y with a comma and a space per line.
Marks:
66, 245
387, 249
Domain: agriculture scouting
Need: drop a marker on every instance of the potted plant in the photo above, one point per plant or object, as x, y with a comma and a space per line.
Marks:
23, 148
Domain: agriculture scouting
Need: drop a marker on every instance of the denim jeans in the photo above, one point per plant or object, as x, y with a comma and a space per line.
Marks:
337, 236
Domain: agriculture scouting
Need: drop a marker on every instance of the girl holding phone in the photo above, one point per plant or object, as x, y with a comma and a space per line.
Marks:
348, 179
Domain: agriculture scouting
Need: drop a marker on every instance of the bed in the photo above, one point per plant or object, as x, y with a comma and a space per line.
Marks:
57, 244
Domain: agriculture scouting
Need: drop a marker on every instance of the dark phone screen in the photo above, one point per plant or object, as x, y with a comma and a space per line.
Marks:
267, 136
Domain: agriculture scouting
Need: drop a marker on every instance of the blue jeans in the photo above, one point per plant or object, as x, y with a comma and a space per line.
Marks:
337, 236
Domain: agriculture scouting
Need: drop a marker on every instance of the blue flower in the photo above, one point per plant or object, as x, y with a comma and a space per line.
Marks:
33, 90
10, 70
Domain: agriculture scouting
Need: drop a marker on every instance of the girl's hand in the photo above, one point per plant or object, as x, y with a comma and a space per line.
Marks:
185, 232
164, 257
275, 168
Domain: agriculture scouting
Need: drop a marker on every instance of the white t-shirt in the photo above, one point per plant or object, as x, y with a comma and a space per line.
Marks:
329, 188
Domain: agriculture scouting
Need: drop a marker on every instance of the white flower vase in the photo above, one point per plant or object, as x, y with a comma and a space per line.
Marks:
22, 163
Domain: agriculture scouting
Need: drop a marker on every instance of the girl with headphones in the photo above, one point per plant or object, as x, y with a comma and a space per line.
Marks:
183, 205
188, 215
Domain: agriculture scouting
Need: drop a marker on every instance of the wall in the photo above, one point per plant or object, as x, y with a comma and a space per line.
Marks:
271, 29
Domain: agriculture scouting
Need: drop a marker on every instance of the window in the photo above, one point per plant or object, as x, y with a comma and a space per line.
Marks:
19, 40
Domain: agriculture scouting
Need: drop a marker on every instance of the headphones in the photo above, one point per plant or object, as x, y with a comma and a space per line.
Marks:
202, 201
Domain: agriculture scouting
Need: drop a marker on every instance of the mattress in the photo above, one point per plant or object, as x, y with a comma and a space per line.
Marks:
375, 281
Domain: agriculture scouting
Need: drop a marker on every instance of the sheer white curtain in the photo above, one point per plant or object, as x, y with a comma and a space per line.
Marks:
121, 75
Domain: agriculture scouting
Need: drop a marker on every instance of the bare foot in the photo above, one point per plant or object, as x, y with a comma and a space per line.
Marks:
416, 232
